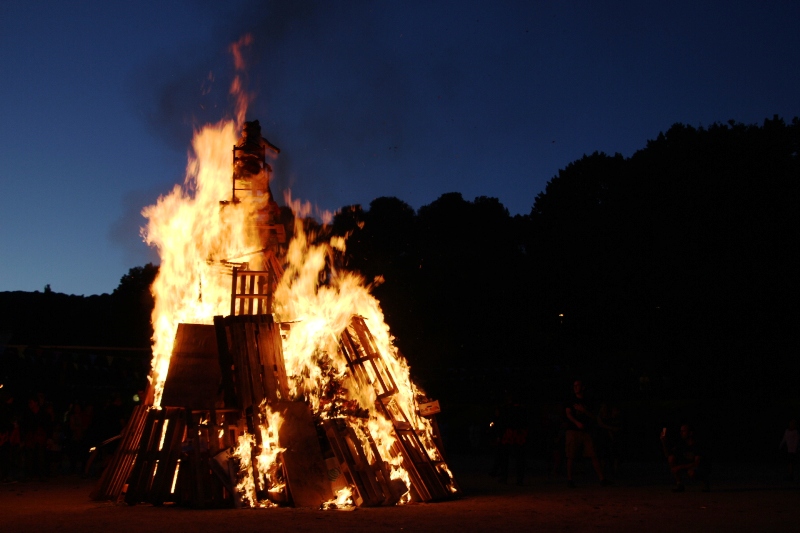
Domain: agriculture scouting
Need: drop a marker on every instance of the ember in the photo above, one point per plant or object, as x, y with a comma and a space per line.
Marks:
274, 378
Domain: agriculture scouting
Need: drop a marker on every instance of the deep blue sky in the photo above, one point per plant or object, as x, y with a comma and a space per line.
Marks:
98, 100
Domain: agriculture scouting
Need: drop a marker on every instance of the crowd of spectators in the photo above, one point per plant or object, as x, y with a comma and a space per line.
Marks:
57, 404
587, 430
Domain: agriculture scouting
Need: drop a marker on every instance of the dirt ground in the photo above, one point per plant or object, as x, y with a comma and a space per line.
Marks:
743, 498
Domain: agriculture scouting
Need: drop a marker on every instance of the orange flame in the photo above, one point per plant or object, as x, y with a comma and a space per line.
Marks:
265, 460
343, 500
319, 313
197, 238
237, 86
194, 235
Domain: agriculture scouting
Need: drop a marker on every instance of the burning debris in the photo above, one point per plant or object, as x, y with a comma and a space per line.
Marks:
274, 380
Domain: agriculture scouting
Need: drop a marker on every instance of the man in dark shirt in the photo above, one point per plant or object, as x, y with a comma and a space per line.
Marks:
512, 430
582, 421
688, 455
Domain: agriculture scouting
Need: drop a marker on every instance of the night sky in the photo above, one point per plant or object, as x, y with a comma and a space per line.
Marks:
413, 99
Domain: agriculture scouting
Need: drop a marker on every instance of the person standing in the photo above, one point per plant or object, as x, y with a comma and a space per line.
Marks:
790, 438
34, 431
579, 439
512, 430
690, 455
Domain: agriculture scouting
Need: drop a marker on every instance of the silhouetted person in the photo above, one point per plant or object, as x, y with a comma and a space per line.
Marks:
789, 441
55, 440
554, 427
11, 450
579, 439
687, 455
609, 436
77, 449
512, 431
34, 430
7, 423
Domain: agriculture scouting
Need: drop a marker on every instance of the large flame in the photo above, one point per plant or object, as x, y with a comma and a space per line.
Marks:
320, 301
195, 235
197, 238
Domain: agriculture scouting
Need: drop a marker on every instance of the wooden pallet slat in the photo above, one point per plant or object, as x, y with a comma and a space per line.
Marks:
276, 383
243, 385
113, 479
304, 466
360, 349
160, 447
353, 464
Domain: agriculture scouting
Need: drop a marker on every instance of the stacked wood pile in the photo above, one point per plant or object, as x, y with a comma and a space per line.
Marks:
220, 379
167, 455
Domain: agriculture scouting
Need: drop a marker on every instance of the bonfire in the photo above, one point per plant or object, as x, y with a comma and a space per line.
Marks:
275, 379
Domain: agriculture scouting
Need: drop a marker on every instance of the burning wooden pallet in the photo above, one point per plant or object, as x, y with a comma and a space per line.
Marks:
421, 457
370, 480
234, 429
184, 454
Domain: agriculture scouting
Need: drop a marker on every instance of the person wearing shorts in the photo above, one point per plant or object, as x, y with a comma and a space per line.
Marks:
579, 441
689, 456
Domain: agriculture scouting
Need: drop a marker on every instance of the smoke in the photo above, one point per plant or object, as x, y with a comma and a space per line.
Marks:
357, 92
179, 90
125, 231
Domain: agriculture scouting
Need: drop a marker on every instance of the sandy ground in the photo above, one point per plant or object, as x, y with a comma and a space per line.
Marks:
743, 498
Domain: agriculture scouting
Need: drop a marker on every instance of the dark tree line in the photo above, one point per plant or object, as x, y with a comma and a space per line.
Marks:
119, 319
679, 262
67, 348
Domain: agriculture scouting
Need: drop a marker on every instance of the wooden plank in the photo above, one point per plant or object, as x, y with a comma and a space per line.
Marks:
260, 302
276, 384
307, 475
225, 363
168, 455
141, 475
353, 463
254, 362
265, 359
234, 277
279, 364
115, 475
127, 450
238, 348
194, 368
250, 290
242, 290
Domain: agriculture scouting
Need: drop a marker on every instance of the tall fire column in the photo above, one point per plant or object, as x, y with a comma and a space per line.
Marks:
239, 426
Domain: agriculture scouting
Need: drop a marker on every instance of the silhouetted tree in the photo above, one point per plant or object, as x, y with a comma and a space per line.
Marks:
133, 306
682, 253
